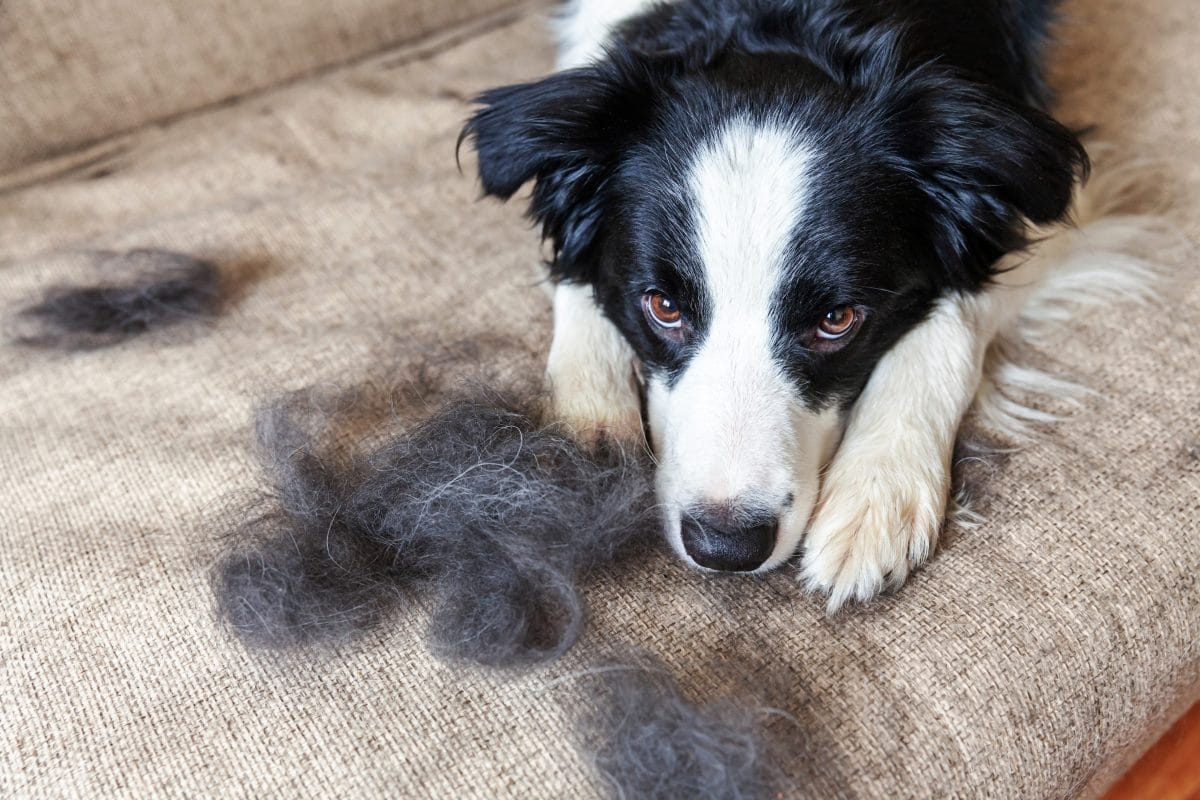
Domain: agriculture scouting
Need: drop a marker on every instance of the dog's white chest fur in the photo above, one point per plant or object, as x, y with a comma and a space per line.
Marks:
585, 25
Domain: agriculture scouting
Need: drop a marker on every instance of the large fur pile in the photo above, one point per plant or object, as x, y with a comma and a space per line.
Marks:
142, 290
494, 516
497, 519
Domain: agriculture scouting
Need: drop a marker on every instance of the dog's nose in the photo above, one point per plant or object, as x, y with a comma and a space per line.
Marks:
728, 540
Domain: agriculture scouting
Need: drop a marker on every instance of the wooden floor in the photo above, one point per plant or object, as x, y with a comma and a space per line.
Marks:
1171, 770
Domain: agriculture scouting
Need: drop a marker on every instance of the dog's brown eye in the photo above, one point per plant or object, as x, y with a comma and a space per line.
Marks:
838, 322
662, 310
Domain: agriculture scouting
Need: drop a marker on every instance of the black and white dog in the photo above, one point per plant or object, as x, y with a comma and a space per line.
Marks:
792, 228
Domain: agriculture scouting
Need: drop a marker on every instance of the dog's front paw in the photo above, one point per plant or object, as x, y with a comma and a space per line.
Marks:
595, 402
592, 419
590, 373
879, 517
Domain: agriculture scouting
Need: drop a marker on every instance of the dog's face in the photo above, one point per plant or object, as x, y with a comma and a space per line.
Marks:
759, 274
762, 233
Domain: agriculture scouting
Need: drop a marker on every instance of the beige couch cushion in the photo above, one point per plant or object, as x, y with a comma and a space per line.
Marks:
1033, 657
76, 71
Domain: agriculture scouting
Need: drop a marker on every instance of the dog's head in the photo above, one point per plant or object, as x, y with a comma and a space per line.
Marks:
762, 228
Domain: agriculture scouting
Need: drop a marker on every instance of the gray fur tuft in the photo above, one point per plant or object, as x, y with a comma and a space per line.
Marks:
496, 517
648, 741
152, 289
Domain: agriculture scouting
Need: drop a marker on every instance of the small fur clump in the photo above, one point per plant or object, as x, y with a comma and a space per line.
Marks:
494, 516
152, 289
648, 741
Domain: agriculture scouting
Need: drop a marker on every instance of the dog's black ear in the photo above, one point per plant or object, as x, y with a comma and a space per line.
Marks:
564, 132
988, 162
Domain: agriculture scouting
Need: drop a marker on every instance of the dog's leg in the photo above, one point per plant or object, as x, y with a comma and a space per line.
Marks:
593, 388
884, 495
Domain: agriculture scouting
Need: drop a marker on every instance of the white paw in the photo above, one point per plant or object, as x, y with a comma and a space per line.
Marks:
596, 405
878, 518
593, 387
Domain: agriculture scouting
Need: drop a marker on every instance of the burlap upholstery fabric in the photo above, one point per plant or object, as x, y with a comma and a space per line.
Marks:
74, 71
1034, 657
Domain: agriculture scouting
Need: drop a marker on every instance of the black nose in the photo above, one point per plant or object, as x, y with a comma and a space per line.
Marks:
729, 540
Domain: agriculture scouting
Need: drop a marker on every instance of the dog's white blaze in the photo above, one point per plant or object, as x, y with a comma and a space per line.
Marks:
733, 429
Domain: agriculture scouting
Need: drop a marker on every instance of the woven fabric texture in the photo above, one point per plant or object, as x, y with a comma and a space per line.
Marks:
75, 71
1034, 657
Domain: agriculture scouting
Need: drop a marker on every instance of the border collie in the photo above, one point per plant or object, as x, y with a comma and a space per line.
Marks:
788, 229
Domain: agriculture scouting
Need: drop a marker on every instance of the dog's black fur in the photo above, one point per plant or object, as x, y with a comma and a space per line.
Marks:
927, 116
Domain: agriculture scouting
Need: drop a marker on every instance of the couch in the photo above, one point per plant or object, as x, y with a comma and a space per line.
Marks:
308, 149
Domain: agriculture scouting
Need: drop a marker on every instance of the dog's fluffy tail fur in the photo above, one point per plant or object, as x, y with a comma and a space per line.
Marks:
1120, 250
1112, 254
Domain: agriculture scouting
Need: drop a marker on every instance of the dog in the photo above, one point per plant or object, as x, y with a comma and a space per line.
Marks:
784, 234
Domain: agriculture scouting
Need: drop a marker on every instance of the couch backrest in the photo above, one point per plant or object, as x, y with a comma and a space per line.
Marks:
77, 71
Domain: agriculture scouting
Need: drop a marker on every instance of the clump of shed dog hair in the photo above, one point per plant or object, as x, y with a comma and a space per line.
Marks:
647, 740
290, 575
143, 290
491, 514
